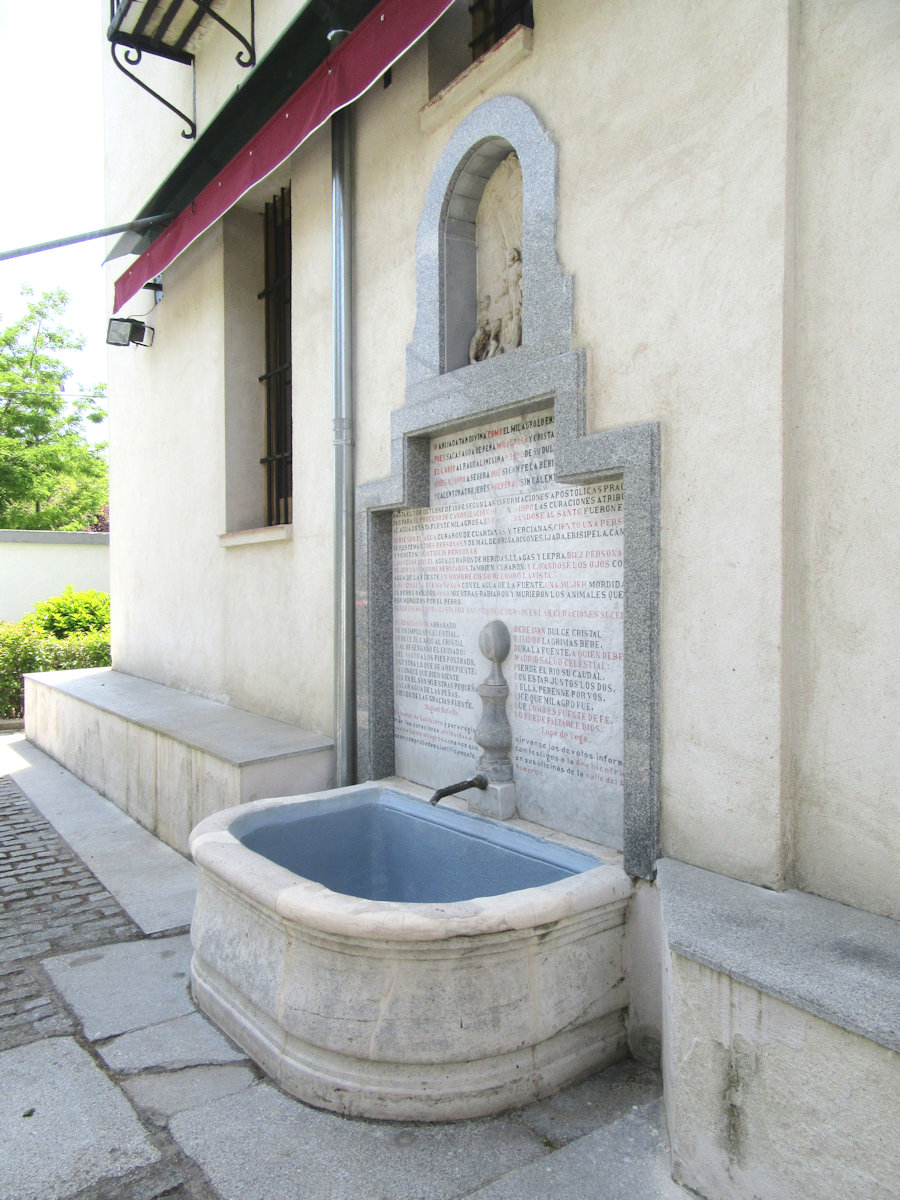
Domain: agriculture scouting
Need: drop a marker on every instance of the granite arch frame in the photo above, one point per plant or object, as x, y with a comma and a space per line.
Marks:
545, 369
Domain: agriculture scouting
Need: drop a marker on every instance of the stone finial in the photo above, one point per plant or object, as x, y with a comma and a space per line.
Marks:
493, 733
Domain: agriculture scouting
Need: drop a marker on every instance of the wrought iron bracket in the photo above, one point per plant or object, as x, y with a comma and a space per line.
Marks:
133, 57
136, 42
247, 56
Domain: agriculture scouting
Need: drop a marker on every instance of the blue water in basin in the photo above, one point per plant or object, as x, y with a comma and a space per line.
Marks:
378, 844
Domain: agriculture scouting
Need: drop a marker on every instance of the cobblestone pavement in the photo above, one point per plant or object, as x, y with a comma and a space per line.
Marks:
50, 903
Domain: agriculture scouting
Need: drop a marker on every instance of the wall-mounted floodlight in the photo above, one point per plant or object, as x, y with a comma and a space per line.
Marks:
127, 331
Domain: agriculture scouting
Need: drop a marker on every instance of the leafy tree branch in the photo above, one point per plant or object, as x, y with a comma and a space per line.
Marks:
51, 476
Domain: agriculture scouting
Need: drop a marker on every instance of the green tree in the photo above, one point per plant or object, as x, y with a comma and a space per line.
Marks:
51, 477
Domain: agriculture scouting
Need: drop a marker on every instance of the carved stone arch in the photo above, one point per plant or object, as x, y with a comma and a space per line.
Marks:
445, 245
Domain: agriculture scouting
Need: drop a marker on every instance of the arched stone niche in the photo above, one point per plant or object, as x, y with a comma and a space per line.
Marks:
446, 245
475, 269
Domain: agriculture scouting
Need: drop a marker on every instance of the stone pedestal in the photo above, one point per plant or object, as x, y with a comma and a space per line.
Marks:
498, 800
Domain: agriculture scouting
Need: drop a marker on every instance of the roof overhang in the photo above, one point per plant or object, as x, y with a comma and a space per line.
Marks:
368, 51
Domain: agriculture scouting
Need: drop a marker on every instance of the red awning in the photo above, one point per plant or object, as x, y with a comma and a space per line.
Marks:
363, 57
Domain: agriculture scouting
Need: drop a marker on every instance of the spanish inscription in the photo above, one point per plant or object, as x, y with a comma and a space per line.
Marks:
502, 539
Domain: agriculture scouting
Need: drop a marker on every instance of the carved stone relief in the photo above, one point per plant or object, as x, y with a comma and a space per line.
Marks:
498, 243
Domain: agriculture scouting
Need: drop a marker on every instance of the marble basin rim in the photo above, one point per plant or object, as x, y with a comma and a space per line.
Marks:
405, 1010
215, 847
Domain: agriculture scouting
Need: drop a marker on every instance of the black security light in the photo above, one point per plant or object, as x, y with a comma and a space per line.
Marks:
128, 331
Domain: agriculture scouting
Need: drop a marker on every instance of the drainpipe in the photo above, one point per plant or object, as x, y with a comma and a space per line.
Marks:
342, 390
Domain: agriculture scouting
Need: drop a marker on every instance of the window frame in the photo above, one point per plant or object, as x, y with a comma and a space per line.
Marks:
492, 20
277, 378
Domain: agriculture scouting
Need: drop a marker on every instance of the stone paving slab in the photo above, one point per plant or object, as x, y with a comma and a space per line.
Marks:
164, 1093
153, 883
120, 988
597, 1101
182, 1042
626, 1160
63, 1124
53, 903
300, 1152
50, 901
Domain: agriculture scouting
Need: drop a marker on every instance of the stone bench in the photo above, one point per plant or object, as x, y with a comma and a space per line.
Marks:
165, 757
783, 1056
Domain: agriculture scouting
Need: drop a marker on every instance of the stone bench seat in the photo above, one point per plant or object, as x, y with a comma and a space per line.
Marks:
839, 963
784, 1020
166, 757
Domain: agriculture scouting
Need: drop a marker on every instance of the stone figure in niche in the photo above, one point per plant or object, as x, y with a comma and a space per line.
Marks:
498, 251
511, 320
478, 347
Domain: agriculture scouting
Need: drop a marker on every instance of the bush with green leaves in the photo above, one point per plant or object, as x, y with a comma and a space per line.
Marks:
73, 612
63, 633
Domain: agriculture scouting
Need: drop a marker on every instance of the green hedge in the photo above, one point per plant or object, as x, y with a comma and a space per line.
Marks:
31, 645
73, 612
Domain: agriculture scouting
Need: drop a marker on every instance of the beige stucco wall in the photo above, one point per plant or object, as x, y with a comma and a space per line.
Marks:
680, 193
166, 482
682, 315
246, 624
765, 1100
672, 220
842, 417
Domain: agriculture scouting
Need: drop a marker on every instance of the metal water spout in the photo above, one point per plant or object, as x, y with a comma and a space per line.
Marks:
477, 781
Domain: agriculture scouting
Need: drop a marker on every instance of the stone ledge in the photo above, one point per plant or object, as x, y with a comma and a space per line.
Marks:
476, 79
256, 537
231, 734
55, 537
839, 963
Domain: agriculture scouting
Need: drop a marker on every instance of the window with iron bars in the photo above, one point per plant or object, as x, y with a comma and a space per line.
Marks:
493, 20
276, 296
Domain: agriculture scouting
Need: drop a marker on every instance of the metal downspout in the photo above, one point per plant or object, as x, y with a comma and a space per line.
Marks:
342, 390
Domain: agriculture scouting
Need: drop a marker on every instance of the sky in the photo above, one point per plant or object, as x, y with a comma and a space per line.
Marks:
52, 174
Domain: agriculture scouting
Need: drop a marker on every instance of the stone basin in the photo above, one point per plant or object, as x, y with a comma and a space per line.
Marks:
383, 958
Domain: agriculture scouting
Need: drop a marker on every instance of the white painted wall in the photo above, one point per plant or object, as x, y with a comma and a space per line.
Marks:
35, 565
726, 176
246, 624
